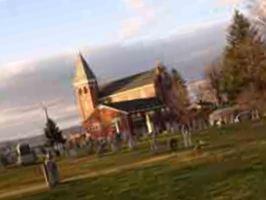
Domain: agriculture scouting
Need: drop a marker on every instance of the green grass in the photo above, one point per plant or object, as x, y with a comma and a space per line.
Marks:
16, 177
20, 177
232, 166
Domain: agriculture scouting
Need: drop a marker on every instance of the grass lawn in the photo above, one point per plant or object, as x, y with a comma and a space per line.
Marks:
14, 178
232, 166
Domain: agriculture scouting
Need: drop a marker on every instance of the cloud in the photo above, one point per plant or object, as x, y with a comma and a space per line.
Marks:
229, 2
15, 68
141, 8
29, 120
143, 15
130, 27
24, 85
136, 4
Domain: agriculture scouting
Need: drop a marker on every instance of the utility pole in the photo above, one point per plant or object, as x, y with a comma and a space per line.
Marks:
45, 109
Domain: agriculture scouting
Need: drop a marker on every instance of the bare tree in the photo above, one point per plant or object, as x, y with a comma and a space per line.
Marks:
257, 11
213, 74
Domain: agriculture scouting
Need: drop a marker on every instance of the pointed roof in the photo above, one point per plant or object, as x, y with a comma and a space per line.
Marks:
83, 70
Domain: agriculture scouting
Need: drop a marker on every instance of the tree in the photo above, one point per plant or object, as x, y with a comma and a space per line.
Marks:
239, 30
168, 92
181, 87
238, 59
241, 74
213, 74
178, 78
53, 134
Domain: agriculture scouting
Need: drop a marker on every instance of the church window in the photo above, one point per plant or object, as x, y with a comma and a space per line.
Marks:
85, 90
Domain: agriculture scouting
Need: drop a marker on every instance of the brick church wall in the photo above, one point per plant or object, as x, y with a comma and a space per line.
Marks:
100, 123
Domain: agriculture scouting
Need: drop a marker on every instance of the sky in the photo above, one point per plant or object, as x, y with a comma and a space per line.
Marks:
38, 40
33, 29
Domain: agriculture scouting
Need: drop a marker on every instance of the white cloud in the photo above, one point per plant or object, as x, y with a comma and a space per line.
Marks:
15, 68
143, 15
11, 69
20, 114
229, 2
136, 4
30, 119
141, 8
197, 27
130, 27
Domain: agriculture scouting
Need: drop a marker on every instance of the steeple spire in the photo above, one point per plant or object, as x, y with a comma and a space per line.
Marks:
86, 87
83, 70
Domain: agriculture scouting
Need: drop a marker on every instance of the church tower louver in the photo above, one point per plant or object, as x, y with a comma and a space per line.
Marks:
86, 88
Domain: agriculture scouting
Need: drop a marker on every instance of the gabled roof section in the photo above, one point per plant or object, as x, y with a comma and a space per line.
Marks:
83, 70
130, 82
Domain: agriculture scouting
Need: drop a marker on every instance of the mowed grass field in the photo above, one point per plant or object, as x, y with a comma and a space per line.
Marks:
17, 177
231, 166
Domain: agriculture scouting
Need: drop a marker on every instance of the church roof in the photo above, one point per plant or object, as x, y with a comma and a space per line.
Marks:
132, 107
127, 83
136, 105
83, 70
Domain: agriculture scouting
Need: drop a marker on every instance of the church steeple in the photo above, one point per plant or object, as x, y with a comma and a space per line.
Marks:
83, 71
86, 87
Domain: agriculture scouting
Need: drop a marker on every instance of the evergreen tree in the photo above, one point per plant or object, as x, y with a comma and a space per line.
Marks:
53, 134
242, 70
181, 86
239, 30
238, 59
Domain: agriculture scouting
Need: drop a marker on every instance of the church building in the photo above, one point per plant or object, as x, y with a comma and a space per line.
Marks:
132, 106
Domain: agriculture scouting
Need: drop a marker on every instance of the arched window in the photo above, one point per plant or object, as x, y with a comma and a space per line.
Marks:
85, 90
80, 91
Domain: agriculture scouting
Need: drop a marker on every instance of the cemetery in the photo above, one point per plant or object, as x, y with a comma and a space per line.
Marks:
220, 162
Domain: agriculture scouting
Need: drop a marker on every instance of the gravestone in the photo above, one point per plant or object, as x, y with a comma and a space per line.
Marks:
153, 144
101, 147
186, 137
50, 171
173, 144
72, 152
25, 154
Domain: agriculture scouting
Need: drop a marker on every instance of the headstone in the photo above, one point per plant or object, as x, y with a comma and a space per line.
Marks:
173, 144
50, 171
25, 155
130, 141
101, 147
186, 137
72, 152
154, 146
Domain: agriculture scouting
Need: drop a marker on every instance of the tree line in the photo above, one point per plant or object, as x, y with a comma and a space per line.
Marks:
239, 75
